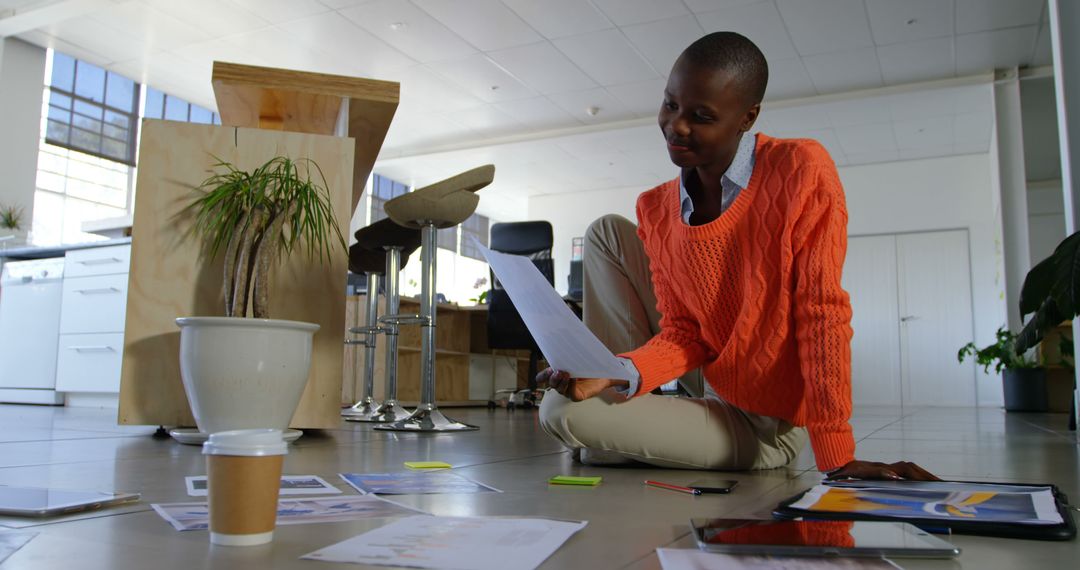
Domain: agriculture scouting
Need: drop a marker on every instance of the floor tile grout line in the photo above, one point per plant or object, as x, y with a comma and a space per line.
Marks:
653, 552
114, 459
892, 423
508, 460
1045, 429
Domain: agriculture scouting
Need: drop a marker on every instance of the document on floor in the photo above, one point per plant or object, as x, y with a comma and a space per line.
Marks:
414, 483
455, 543
684, 559
196, 516
562, 337
290, 485
940, 500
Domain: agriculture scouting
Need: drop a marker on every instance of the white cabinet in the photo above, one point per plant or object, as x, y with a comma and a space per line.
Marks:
92, 319
94, 304
89, 362
110, 260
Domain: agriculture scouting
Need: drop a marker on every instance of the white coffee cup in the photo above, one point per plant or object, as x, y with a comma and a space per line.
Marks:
243, 479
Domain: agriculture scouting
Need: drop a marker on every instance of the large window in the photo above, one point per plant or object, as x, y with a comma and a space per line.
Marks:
91, 110
160, 105
447, 238
74, 187
382, 190
476, 226
86, 162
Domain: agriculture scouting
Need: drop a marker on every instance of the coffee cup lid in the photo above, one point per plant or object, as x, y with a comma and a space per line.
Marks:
250, 442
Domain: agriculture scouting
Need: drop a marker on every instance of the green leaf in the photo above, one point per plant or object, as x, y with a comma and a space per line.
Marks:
1037, 285
1066, 286
1047, 317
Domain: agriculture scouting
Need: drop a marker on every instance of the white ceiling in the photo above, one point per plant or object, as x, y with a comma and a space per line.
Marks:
473, 71
878, 128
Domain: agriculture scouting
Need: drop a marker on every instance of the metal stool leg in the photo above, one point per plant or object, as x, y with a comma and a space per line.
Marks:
391, 410
427, 417
365, 408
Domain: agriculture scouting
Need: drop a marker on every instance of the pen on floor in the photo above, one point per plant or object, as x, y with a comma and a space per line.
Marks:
671, 487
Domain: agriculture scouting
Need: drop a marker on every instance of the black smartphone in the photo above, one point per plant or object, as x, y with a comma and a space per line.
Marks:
713, 485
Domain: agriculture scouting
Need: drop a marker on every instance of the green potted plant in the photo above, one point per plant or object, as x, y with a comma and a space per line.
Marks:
11, 217
242, 372
1023, 380
11, 220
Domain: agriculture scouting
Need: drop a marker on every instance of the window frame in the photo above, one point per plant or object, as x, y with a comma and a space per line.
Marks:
377, 211
215, 119
131, 115
483, 236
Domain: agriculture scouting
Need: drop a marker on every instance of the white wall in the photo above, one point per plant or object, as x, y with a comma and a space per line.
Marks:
22, 78
1046, 218
920, 195
938, 194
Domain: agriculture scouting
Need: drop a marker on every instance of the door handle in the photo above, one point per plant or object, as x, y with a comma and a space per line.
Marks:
100, 291
909, 318
100, 261
92, 348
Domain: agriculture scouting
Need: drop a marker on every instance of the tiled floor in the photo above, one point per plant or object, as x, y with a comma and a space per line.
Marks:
82, 448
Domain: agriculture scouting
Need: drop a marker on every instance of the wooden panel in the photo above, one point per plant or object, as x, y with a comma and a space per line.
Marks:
169, 280
301, 101
368, 122
351, 370
451, 377
451, 330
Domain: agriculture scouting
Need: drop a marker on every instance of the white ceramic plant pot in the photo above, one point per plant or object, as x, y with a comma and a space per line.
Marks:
244, 373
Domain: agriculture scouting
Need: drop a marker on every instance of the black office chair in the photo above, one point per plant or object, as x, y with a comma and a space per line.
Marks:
505, 328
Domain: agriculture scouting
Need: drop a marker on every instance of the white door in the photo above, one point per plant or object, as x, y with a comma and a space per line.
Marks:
870, 280
911, 312
934, 277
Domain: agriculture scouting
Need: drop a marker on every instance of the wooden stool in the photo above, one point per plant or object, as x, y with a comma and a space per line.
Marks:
381, 248
441, 205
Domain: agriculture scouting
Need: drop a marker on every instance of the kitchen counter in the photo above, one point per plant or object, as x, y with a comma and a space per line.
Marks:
40, 252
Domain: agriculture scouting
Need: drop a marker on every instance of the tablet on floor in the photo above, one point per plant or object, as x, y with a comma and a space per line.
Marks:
37, 502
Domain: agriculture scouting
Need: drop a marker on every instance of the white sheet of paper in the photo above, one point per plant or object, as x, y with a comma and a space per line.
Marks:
290, 485
562, 337
454, 543
683, 559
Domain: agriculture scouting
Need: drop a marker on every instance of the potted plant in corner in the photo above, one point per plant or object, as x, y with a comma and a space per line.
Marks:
245, 370
11, 220
1023, 380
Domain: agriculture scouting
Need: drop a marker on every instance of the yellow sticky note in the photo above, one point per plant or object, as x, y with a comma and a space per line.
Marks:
427, 465
571, 480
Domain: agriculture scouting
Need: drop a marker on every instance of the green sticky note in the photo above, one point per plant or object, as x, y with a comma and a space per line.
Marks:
427, 465
570, 480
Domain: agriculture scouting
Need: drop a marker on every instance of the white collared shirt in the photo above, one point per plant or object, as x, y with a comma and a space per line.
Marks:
735, 179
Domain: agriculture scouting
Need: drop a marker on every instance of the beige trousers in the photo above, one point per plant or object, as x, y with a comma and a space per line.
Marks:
687, 433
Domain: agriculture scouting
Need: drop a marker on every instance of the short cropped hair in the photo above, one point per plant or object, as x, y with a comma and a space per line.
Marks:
735, 54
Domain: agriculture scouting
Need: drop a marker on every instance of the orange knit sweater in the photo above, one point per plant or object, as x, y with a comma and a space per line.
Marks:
754, 296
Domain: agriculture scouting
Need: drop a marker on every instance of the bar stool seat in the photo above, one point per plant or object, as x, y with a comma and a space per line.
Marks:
444, 204
431, 208
368, 254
